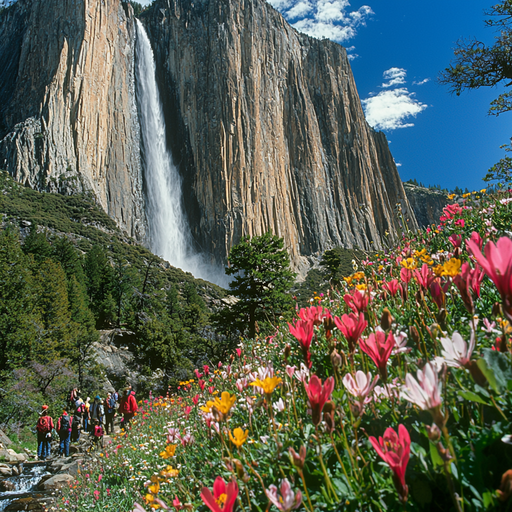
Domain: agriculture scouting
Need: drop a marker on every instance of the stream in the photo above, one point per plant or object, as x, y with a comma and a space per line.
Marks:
25, 485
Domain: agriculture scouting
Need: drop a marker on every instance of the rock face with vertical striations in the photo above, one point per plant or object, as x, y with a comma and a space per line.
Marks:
268, 130
68, 120
426, 203
265, 124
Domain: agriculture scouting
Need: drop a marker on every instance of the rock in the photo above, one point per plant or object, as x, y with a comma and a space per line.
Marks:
57, 482
5, 470
8, 455
427, 203
29, 504
72, 468
7, 485
4, 440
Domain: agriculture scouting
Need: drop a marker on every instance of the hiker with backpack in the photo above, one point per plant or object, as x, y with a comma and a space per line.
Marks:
64, 431
97, 411
110, 412
97, 433
87, 415
76, 427
128, 406
44, 429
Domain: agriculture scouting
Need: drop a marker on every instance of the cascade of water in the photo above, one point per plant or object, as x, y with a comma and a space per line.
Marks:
168, 231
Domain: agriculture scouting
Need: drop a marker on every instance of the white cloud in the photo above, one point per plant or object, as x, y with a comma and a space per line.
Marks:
389, 109
396, 76
324, 19
421, 82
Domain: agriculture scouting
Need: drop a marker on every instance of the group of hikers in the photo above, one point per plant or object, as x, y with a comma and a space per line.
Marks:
88, 417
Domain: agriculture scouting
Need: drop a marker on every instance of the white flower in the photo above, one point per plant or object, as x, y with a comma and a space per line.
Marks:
288, 499
361, 386
279, 405
424, 392
401, 343
303, 374
456, 352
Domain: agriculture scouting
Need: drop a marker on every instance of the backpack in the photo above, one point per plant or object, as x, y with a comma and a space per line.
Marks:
111, 403
81, 408
98, 431
64, 422
43, 424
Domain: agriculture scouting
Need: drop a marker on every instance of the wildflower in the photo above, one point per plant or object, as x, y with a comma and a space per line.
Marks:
288, 500
395, 449
455, 240
379, 348
357, 301
409, 263
314, 314
405, 275
456, 352
239, 437
497, 264
176, 503
423, 276
303, 332
452, 267
279, 405
425, 391
298, 459
352, 326
268, 385
169, 451
225, 403
391, 287
318, 395
290, 370
224, 496
361, 386
303, 374
401, 343
169, 472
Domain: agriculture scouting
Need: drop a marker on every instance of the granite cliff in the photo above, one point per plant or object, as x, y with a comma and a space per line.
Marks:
427, 203
68, 120
265, 123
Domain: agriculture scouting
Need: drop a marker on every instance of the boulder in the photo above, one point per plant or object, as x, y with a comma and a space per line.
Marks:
5, 470
72, 468
56, 482
4, 439
7, 485
29, 504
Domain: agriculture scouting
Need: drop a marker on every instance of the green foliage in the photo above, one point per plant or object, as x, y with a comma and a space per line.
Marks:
261, 269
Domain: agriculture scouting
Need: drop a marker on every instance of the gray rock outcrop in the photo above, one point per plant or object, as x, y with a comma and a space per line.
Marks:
427, 203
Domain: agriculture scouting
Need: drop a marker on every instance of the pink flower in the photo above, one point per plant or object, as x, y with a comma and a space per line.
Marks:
176, 503
352, 326
405, 275
288, 499
227, 494
425, 392
395, 450
96, 495
315, 314
460, 223
318, 395
290, 370
303, 332
198, 375
497, 264
477, 239
202, 384
423, 276
206, 369
357, 301
361, 386
455, 240
238, 352
195, 399
99, 478
438, 292
391, 287
187, 410
379, 348
173, 435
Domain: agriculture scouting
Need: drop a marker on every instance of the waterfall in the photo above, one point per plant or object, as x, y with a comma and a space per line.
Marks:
168, 230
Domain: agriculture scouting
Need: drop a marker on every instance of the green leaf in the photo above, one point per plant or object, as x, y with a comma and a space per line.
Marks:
434, 455
472, 397
496, 368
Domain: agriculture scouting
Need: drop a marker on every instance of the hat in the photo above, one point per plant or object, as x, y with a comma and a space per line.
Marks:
44, 407
97, 397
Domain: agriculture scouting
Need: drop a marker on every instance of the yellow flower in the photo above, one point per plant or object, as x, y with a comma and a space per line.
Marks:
483, 191
225, 403
358, 275
239, 437
438, 270
409, 263
169, 472
466, 195
154, 489
207, 408
169, 451
268, 385
348, 280
451, 196
361, 286
419, 254
452, 268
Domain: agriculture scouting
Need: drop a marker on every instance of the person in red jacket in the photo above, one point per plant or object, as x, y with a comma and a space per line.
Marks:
128, 406
44, 429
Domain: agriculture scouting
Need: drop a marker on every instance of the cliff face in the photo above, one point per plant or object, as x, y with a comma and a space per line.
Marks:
426, 203
268, 129
68, 120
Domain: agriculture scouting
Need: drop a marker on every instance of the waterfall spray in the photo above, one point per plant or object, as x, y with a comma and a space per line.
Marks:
168, 230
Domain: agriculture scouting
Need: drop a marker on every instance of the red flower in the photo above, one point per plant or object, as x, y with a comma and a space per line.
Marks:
314, 314
357, 301
405, 275
303, 331
438, 292
379, 348
395, 451
391, 287
455, 240
352, 326
423, 276
224, 496
195, 399
318, 395
202, 384
497, 264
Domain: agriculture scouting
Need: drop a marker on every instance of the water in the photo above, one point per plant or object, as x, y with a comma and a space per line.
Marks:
168, 230
24, 483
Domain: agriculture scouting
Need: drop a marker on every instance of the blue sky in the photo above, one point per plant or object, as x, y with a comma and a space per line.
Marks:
397, 50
